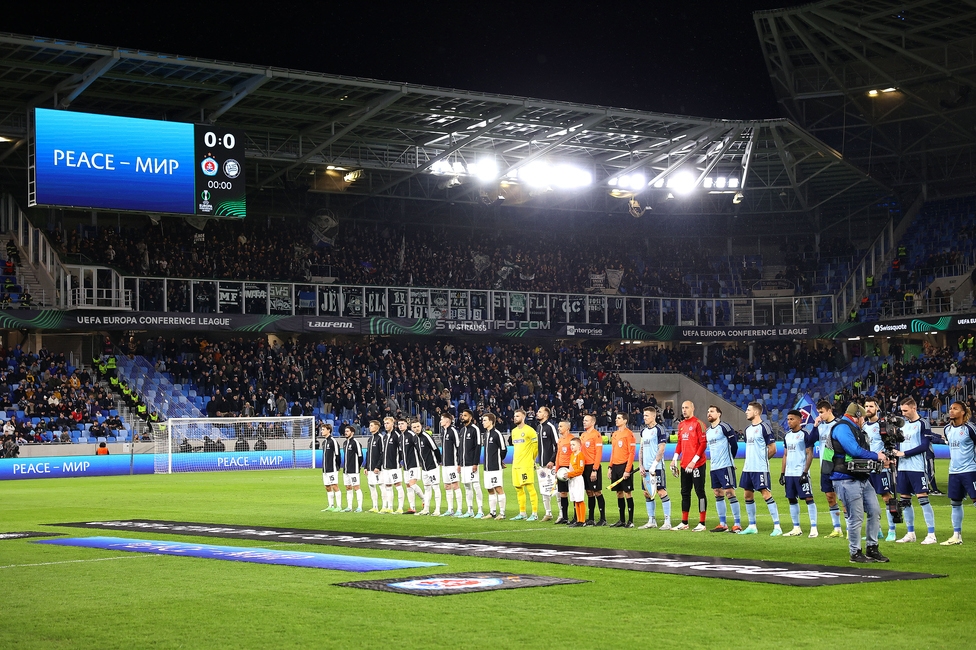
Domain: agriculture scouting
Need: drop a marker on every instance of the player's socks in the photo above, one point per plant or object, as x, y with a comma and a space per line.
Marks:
520, 494
736, 510
701, 517
534, 498
492, 503
891, 520
666, 503
773, 510
457, 499
720, 508
547, 502
956, 517
468, 498
428, 495
600, 501
564, 507
927, 513
630, 510
591, 506
359, 499
621, 508
479, 498
650, 505
450, 501
684, 517
502, 503
909, 514
751, 511
399, 491
372, 495
580, 512
835, 516
349, 497
437, 499
812, 513
795, 514
411, 497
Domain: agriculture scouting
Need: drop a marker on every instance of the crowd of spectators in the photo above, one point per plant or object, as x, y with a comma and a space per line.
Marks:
44, 399
368, 253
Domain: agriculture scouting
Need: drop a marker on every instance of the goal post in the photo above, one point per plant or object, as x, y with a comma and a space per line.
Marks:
233, 444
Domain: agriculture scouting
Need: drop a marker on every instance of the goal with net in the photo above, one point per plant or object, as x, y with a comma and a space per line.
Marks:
228, 444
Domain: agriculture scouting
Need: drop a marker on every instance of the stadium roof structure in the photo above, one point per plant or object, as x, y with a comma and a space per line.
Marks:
369, 140
888, 83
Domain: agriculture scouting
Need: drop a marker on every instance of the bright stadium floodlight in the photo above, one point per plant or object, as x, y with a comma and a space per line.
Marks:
890, 89
683, 182
720, 182
486, 170
872, 93
612, 182
541, 174
569, 177
708, 182
733, 182
637, 181
659, 183
441, 167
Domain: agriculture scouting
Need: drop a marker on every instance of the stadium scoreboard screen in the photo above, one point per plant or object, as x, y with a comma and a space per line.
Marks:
82, 160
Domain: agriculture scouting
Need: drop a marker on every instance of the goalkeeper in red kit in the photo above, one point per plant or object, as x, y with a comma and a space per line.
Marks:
691, 450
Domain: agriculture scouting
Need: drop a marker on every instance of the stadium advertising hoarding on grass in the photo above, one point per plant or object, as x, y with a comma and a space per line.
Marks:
353, 563
781, 573
83, 160
82, 320
448, 584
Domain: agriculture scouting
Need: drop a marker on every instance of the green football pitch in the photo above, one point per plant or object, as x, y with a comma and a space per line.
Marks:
63, 597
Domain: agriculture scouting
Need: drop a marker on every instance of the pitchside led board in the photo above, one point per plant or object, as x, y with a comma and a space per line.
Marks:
82, 160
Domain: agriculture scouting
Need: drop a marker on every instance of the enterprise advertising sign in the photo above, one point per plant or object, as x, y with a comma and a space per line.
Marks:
83, 160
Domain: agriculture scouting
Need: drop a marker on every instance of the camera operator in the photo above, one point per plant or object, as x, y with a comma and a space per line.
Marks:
882, 478
848, 442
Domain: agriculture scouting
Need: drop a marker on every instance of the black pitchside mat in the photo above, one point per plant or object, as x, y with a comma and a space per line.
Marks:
447, 584
27, 533
780, 573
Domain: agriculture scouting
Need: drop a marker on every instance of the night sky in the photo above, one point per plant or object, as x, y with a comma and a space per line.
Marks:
700, 59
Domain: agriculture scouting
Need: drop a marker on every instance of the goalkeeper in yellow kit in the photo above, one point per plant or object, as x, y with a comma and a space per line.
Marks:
525, 442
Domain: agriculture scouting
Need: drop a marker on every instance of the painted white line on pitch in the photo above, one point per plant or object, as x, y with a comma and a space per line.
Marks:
97, 559
490, 532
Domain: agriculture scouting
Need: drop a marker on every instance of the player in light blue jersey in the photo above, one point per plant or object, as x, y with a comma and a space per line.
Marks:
825, 422
722, 446
882, 480
760, 447
795, 473
651, 454
912, 478
961, 438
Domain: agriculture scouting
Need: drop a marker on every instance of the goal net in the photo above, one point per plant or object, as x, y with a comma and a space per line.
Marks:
231, 444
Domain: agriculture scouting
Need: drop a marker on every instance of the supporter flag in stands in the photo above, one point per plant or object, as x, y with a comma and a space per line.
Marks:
367, 267
806, 406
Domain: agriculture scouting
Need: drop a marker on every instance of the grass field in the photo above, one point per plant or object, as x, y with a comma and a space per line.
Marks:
61, 597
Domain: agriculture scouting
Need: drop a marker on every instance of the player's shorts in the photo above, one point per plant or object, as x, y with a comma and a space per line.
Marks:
493, 479
431, 477
350, 480
617, 474
468, 476
450, 474
723, 478
372, 478
962, 484
913, 483
826, 485
522, 476
592, 486
882, 482
547, 481
797, 489
330, 478
391, 476
754, 481
412, 474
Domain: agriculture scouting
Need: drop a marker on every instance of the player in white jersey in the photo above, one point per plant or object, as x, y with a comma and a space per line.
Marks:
451, 463
825, 422
795, 474
651, 454
760, 447
723, 445
430, 460
882, 480
961, 438
912, 478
